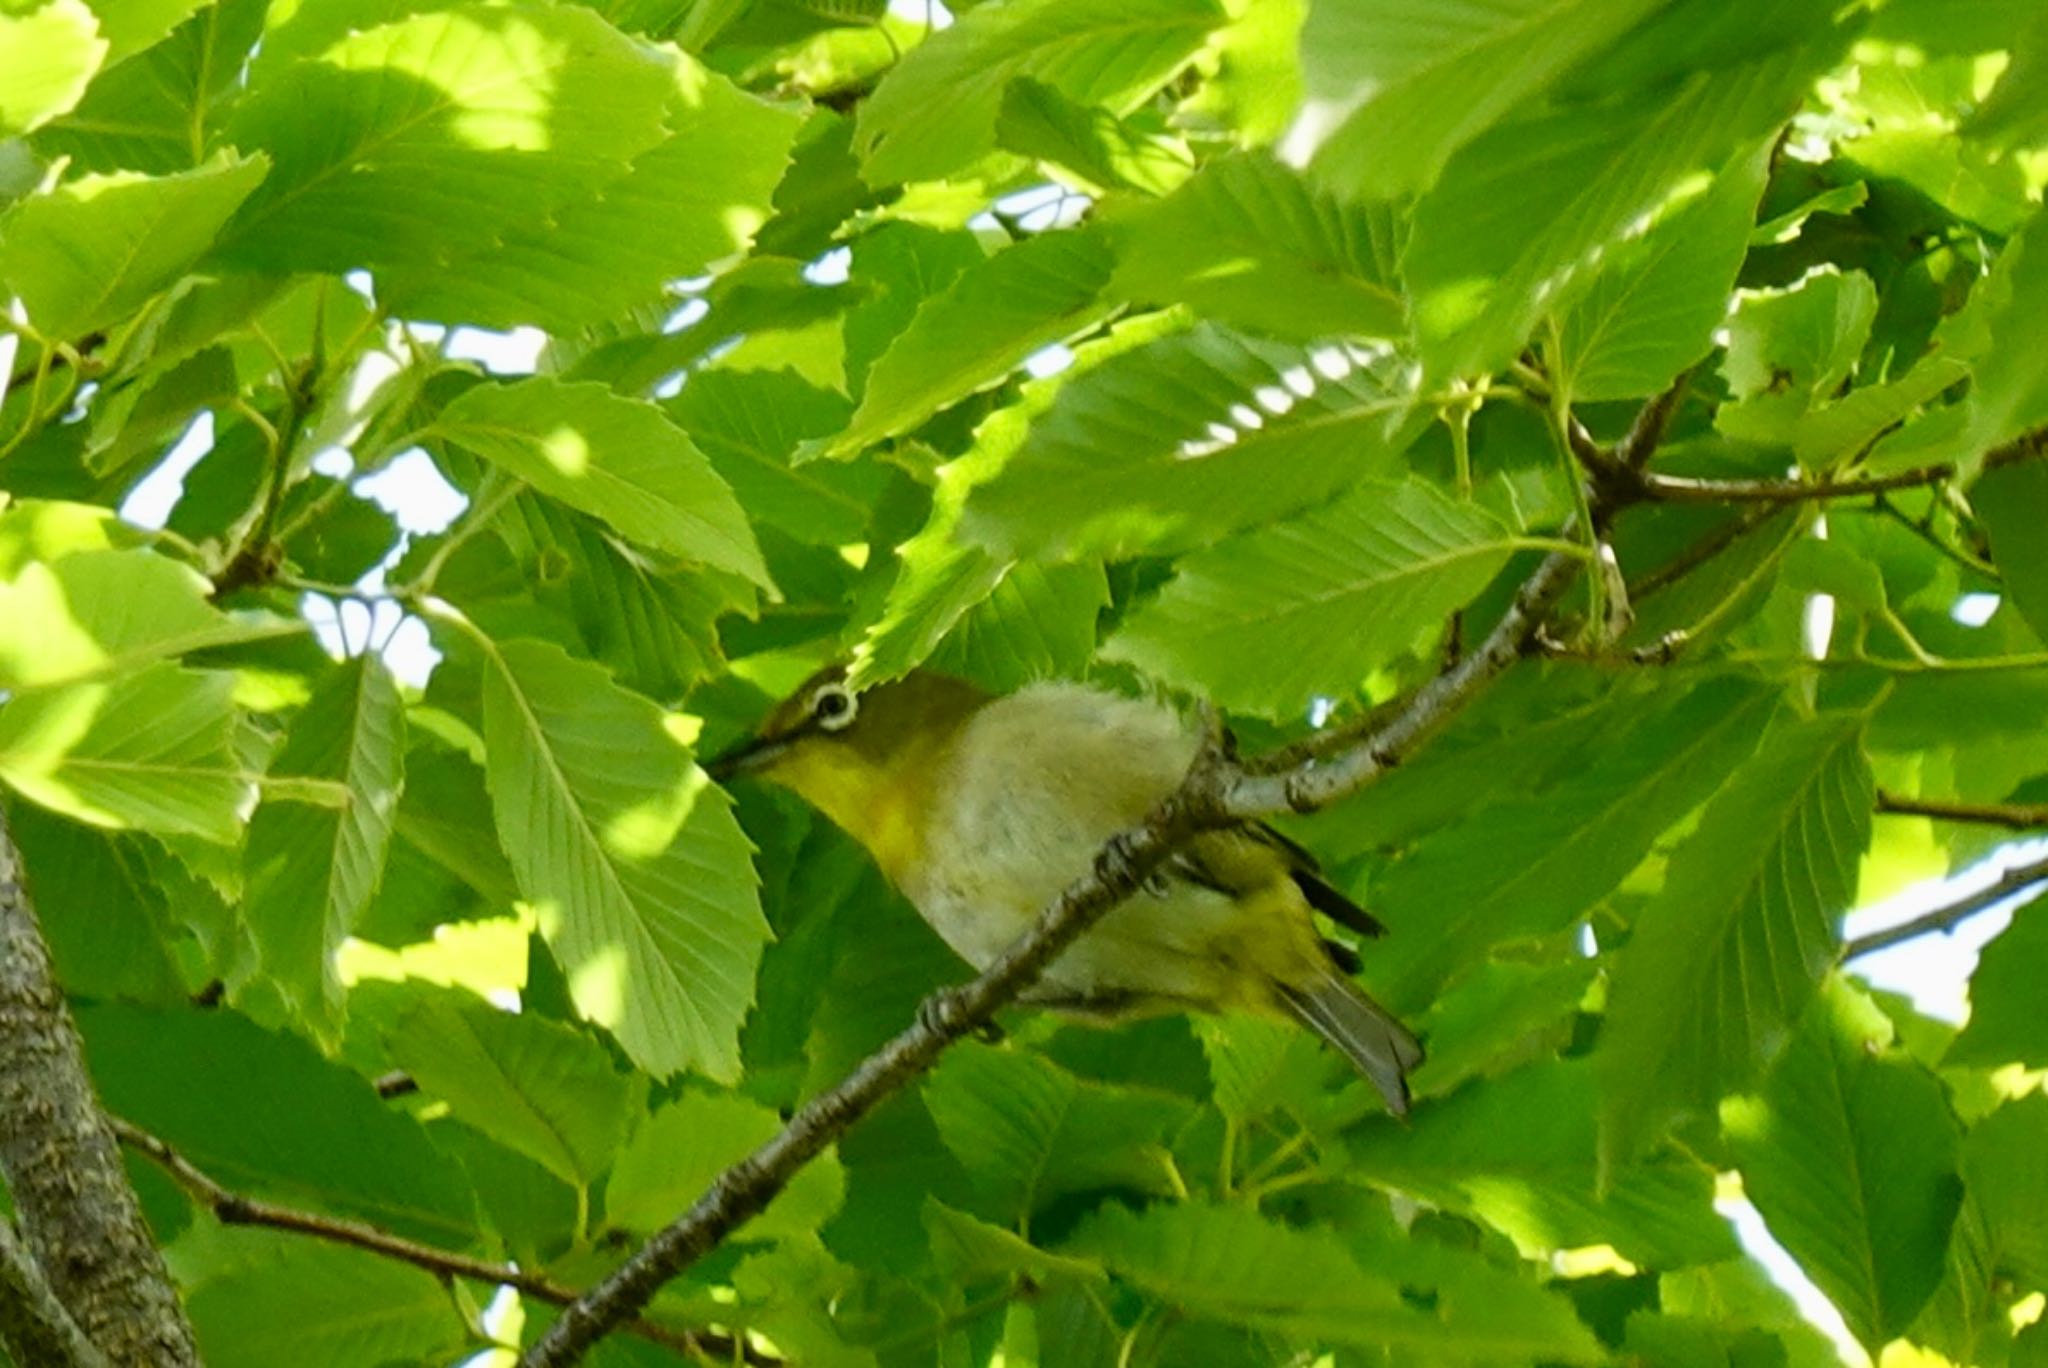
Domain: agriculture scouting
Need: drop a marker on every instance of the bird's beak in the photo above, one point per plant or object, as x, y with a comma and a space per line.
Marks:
750, 756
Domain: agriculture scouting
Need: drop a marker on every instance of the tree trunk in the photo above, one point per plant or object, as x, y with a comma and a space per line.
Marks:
62, 1164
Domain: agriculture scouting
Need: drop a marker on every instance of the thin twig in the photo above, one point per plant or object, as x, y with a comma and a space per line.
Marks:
2015, 816
1687, 489
232, 1208
1653, 420
1705, 549
2015, 880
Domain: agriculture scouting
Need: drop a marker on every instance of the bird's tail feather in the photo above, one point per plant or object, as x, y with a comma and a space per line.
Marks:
1380, 1047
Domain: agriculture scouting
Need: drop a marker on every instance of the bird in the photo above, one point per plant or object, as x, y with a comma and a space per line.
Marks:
980, 808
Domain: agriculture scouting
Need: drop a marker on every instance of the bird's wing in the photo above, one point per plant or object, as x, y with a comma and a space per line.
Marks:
1242, 858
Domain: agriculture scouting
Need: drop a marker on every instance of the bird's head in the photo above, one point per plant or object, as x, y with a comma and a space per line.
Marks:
867, 760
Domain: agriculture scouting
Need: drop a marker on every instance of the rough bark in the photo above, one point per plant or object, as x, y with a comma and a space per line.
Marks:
34, 1326
77, 1212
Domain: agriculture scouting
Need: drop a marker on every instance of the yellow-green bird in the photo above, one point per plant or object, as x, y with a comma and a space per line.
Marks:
982, 808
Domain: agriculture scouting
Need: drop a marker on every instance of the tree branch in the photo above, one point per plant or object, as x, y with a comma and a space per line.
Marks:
232, 1208
1216, 792
2016, 816
2015, 880
1684, 489
34, 1326
1653, 420
77, 1211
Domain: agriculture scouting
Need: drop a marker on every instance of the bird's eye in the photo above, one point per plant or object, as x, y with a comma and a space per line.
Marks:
833, 707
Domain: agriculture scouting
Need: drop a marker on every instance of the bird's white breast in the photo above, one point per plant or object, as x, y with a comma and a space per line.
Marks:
1029, 792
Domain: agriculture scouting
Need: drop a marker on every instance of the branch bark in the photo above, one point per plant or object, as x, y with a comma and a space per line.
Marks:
2015, 816
34, 1326
1216, 792
2015, 880
78, 1214
232, 1208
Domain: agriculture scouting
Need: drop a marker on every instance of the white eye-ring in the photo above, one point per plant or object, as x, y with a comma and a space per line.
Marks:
833, 707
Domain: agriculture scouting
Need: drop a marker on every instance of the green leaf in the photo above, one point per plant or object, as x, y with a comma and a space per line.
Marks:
1790, 350
969, 1249
1271, 619
312, 868
935, 111
630, 855
750, 424
541, 1089
981, 328
695, 196
1091, 145
2012, 503
1525, 214
267, 1116
677, 1153
1486, 1312
1396, 88
1850, 1154
1531, 865
156, 110
131, 26
1232, 1264
648, 618
2006, 1022
1521, 1152
149, 750
1133, 458
1038, 623
410, 143
259, 1298
1494, 1016
108, 923
899, 267
47, 58
1653, 312
617, 459
2001, 1164
1724, 960
1696, 1342
2004, 322
1847, 427
1249, 241
1028, 1131
96, 614
91, 252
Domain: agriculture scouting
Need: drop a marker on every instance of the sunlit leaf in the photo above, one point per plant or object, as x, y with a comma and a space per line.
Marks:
985, 324
614, 458
312, 867
90, 252
630, 855
1190, 436
936, 110
149, 750
1250, 242
47, 57
1270, 619
1724, 961
541, 1089
1394, 89
1850, 1154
